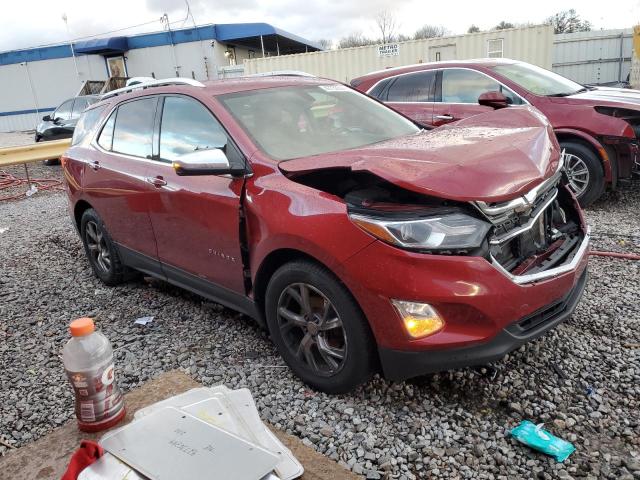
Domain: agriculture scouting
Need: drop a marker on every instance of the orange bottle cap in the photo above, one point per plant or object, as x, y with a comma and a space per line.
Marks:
81, 327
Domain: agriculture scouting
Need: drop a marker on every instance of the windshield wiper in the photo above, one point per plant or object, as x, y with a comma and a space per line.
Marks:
566, 94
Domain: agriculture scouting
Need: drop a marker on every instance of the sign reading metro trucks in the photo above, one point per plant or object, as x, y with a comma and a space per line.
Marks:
389, 50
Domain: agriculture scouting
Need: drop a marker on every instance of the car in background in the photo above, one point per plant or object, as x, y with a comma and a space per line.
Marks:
598, 127
359, 240
62, 122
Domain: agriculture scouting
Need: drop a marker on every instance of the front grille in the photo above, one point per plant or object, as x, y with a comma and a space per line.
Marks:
541, 237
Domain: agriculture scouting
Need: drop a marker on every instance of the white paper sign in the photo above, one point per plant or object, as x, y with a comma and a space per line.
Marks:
389, 50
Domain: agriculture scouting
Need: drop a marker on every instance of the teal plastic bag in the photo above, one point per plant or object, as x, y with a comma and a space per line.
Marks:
539, 439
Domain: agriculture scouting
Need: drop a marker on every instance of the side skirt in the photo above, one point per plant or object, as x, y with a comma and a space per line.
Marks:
188, 281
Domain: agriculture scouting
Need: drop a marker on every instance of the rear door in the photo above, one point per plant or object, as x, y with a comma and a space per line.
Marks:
196, 219
457, 92
114, 179
411, 94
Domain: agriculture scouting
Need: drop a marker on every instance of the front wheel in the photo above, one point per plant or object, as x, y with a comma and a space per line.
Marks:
585, 172
318, 328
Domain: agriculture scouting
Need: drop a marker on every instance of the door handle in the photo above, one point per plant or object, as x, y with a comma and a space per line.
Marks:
444, 117
95, 165
156, 181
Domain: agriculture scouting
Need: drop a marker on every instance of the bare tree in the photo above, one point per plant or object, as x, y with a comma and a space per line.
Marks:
430, 31
568, 21
355, 40
324, 43
504, 25
473, 29
387, 25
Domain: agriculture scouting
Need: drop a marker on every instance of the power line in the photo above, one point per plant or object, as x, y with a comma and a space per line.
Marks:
89, 36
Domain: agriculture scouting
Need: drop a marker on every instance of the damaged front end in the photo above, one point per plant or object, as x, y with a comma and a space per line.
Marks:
536, 236
539, 235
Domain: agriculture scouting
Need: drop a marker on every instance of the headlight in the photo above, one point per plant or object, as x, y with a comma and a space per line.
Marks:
452, 231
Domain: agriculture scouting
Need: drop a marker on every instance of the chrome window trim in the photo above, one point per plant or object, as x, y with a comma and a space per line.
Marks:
524, 100
552, 272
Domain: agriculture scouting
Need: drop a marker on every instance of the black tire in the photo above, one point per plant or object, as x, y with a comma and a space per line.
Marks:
51, 161
353, 337
112, 272
595, 183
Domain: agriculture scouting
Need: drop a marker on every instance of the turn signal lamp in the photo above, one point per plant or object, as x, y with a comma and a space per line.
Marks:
420, 319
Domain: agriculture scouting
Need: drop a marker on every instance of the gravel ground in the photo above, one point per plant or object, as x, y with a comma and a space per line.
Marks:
582, 379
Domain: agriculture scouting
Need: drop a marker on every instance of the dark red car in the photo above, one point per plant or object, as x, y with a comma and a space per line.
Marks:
361, 242
596, 126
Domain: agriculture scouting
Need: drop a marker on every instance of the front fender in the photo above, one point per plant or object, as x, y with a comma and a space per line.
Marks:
283, 214
602, 153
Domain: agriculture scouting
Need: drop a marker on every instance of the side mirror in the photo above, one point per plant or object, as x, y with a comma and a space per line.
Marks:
493, 99
46, 118
205, 162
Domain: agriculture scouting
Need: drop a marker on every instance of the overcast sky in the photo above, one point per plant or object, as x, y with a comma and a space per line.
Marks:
29, 23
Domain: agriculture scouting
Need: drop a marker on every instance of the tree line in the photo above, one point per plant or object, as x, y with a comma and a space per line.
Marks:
567, 21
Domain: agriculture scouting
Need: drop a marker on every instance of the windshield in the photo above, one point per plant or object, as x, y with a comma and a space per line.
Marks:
538, 80
292, 122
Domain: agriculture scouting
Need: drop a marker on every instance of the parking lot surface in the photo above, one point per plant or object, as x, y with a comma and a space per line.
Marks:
582, 379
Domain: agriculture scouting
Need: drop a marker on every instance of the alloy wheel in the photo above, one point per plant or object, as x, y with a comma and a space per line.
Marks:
577, 172
312, 329
97, 246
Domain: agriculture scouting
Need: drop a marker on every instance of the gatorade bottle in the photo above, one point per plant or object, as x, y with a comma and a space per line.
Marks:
88, 360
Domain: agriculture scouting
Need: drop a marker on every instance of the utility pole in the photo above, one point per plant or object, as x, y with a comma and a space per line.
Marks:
165, 19
73, 53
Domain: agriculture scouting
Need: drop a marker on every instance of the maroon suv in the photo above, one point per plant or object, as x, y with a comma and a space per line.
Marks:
598, 127
359, 240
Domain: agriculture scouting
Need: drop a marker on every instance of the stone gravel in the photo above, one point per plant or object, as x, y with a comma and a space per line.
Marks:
582, 379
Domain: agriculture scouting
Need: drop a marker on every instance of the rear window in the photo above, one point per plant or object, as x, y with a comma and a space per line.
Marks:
412, 87
133, 131
86, 124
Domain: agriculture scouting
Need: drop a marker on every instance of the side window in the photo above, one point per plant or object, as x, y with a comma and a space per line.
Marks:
133, 131
86, 124
78, 106
63, 112
378, 89
414, 87
465, 86
188, 126
106, 135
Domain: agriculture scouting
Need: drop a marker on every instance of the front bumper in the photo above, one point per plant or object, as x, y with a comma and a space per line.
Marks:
400, 365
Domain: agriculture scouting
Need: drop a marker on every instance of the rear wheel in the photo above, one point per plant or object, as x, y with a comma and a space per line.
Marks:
100, 249
585, 172
318, 328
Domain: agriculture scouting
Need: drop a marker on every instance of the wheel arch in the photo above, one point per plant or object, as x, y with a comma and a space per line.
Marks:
277, 258
577, 136
79, 208
272, 262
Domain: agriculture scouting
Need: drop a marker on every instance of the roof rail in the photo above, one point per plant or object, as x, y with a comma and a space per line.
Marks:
155, 83
285, 73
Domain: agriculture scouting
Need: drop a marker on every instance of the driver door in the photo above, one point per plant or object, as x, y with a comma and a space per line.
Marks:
196, 219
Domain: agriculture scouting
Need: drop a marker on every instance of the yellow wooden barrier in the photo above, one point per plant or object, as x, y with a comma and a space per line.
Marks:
33, 153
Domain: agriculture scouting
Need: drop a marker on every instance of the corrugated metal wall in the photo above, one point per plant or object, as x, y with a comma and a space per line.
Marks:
600, 56
531, 44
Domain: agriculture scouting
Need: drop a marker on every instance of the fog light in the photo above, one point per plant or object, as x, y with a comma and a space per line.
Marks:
420, 319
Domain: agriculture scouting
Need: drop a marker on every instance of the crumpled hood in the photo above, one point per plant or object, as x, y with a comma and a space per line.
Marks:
608, 96
491, 157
